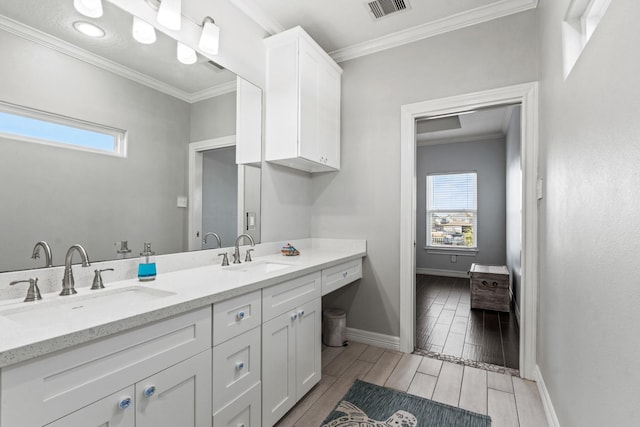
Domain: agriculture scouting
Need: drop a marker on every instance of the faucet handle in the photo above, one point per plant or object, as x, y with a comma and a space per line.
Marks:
225, 259
97, 279
247, 257
33, 293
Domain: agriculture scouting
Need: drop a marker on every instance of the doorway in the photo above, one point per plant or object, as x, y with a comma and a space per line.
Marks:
527, 96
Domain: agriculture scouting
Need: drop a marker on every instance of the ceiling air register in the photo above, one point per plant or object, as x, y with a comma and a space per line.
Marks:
382, 8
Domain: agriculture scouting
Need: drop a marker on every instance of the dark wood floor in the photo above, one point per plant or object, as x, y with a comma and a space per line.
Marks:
446, 324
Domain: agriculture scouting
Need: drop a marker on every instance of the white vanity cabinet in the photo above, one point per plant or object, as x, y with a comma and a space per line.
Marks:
163, 368
236, 361
291, 336
303, 103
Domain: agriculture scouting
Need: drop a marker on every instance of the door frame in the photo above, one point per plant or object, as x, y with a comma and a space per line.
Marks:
196, 151
526, 95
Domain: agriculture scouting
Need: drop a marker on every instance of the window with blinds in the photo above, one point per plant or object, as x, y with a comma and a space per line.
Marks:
452, 217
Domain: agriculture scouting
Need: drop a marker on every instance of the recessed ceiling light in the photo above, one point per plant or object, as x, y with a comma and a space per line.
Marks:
88, 29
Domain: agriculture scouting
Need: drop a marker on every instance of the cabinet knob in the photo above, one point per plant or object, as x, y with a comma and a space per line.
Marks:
124, 403
241, 425
301, 314
344, 275
239, 366
240, 315
149, 390
294, 316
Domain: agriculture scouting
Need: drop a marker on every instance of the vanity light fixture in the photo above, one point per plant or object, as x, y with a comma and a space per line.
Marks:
186, 55
88, 29
170, 14
143, 32
90, 8
210, 37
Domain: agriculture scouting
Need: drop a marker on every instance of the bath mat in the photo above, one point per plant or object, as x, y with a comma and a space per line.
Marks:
369, 405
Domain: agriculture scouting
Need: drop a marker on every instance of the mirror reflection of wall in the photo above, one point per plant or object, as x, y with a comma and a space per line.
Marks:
67, 196
220, 195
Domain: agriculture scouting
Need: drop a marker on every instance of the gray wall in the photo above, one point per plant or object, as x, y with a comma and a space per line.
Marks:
514, 204
362, 201
220, 195
487, 158
213, 118
65, 196
588, 341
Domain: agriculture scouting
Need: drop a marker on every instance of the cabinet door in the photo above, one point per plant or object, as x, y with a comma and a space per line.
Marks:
248, 123
278, 358
177, 396
329, 115
308, 347
117, 410
309, 98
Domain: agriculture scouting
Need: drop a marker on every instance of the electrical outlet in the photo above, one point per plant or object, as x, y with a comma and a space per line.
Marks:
454, 258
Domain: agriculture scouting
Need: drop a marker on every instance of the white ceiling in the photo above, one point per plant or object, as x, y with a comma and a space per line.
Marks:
475, 126
157, 61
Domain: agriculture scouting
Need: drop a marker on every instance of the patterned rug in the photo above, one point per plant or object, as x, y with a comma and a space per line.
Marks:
368, 405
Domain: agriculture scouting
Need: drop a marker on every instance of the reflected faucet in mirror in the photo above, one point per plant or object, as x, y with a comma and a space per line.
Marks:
204, 242
47, 252
67, 280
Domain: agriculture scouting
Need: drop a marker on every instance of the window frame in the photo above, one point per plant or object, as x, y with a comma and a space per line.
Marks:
428, 211
119, 135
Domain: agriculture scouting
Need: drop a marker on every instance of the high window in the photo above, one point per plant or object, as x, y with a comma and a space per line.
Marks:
25, 124
452, 217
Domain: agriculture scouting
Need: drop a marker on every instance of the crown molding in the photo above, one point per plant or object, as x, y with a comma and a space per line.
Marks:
475, 16
46, 40
212, 92
259, 16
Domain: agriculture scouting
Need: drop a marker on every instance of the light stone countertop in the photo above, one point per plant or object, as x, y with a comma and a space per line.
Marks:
192, 288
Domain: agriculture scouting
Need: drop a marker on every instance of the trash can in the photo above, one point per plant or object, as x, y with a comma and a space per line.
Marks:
334, 327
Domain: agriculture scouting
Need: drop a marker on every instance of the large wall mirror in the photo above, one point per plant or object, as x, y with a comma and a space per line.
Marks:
65, 195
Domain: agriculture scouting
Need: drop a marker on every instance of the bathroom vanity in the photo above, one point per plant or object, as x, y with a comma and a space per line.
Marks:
212, 345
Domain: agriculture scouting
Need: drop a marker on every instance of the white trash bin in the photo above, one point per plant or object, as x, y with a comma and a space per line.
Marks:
334, 327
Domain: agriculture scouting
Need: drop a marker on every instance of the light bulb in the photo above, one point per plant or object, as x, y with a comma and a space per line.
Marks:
90, 8
170, 14
186, 55
210, 37
88, 29
143, 32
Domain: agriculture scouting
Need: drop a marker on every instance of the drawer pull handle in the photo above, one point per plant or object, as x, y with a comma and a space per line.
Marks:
239, 366
124, 403
493, 285
149, 390
344, 275
294, 316
240, 315
301, 314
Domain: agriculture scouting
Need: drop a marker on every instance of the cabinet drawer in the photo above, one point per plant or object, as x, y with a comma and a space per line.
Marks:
336, 277
105, 412
234, 316
288, 295
53, 385
236, 367
243, 411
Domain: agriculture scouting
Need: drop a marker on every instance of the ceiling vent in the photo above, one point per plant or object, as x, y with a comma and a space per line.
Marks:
381, 8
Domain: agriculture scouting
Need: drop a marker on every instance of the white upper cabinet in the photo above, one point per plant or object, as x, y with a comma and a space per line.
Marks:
248, 124
303, 103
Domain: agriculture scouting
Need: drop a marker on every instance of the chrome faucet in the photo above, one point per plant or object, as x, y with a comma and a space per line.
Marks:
47, 252
204, 242
67, 279
236, 253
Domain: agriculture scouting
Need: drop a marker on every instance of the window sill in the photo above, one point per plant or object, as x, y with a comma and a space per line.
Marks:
436, 250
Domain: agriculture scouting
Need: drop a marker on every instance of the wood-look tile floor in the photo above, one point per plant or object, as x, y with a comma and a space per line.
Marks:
446, 324
509, 401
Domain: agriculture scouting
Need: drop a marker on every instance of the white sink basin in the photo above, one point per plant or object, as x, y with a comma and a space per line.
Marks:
258, 267
74, 307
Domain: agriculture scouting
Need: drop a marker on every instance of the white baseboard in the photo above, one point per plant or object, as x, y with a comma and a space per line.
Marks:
373, 338
444, 273
549, 411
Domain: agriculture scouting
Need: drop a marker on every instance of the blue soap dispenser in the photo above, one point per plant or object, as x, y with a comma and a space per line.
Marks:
147, 266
